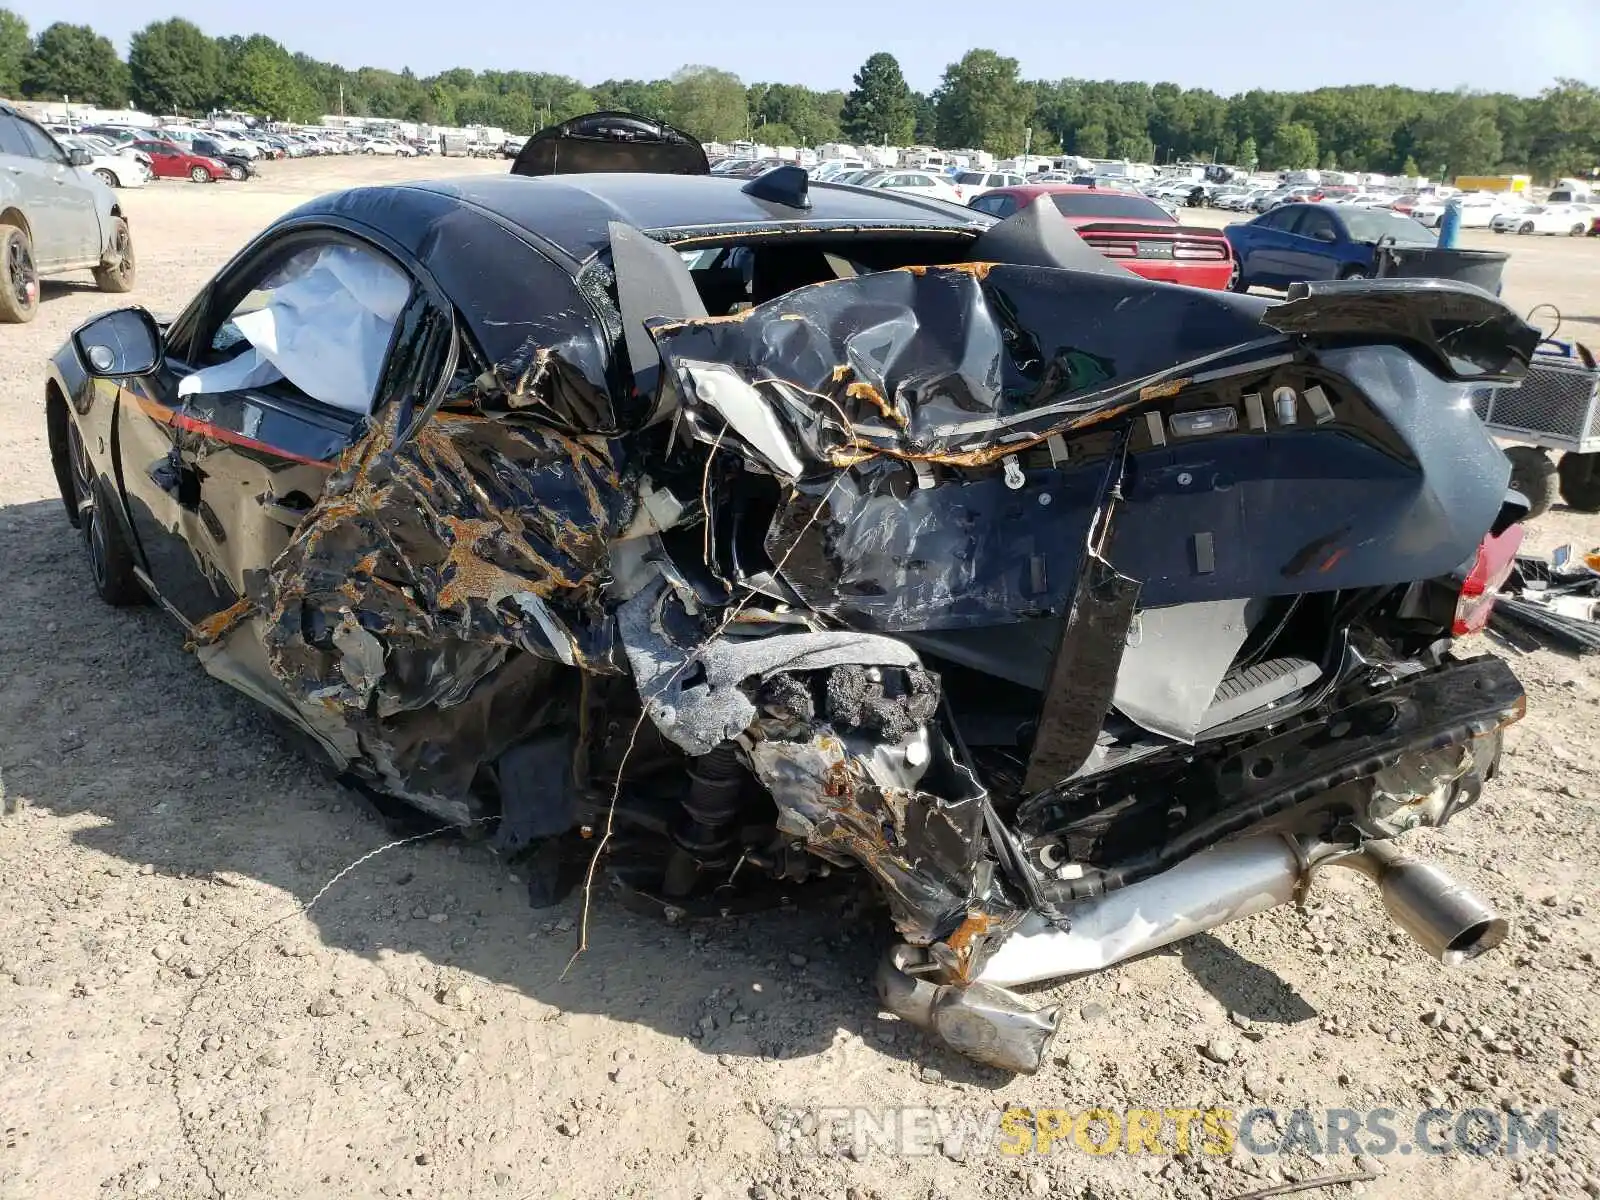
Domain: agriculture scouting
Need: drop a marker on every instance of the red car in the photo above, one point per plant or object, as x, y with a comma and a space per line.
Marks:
171, 161
1131, 229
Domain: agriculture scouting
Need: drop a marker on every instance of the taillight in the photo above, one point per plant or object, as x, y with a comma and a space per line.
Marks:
1497, 556
1113, 249
1204, 250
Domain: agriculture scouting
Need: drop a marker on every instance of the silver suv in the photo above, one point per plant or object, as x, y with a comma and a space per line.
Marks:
55, 216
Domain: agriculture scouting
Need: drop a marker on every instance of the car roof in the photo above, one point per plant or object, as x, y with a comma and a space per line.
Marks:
571, 213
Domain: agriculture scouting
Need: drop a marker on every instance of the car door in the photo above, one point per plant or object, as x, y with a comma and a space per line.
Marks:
71, 196
223, 451
25, 179
165, 159
1265, 248
1312, 250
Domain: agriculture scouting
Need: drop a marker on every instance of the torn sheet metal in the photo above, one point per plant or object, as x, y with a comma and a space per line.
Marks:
428, 593
957, 365
1174, 661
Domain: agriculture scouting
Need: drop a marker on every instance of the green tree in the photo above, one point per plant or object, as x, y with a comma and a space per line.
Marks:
881, 108
75, 61
14, 50
261, 78
926, 127
1410, 170
1568, 123
174, 67
635, 96
1294, 147
983, 104
775, 133
1249, 156
1092, 141
1461, 138
1330, 161
709, 104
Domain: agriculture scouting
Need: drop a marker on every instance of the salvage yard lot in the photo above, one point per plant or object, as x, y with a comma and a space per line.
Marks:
414, 1034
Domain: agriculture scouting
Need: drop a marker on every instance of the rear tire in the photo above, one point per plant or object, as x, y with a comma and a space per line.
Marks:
1236, 281
1578, 230
1580, 481
236, 173
110, 557
1354, 273
19, 277
119, 274
1534, 475
1526, 227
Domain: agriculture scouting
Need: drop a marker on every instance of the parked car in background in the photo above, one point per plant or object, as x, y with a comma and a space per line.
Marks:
974, 183
113, 170
393, 148
59, 217
829, 172
1571, 219
1133, 231
171, 161
239, 167
1298, 242
1478, 210
929, 184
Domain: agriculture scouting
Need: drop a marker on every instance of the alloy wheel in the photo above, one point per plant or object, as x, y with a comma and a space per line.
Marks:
89, 516
122, 254
24, 277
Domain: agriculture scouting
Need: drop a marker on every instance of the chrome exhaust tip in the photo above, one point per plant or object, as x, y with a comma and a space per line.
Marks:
1444, 916
988, 1024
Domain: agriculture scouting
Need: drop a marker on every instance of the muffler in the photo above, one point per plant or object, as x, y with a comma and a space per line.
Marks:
1237, 879
1445, 917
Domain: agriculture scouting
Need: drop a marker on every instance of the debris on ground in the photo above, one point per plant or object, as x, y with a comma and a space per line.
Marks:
1552, 601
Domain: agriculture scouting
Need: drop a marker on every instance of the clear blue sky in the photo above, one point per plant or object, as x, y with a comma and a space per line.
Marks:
1226, 45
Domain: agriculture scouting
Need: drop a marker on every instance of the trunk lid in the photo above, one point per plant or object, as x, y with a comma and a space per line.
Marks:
611, 141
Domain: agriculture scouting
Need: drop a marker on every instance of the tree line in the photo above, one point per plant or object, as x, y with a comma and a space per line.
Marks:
982, 101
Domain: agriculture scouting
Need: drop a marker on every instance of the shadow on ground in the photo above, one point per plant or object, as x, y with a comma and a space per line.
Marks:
105, 715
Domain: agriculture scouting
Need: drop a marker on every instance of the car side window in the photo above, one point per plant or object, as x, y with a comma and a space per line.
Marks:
1316, 224
40, 144
11, 138
1279, 219
1004, 206
318, 322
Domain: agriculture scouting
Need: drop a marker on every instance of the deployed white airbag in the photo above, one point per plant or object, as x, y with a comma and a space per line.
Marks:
325, 327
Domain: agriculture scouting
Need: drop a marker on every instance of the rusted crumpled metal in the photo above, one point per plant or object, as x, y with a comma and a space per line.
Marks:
433, 575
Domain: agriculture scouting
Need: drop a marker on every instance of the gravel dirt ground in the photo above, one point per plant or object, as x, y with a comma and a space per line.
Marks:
173, 1024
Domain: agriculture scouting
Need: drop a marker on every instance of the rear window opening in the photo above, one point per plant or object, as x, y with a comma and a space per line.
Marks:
742, 274
1110, 204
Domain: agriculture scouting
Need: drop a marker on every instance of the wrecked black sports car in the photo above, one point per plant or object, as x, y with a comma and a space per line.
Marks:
760, 531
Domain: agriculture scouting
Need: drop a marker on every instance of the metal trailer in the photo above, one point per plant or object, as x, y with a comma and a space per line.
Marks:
1557, 407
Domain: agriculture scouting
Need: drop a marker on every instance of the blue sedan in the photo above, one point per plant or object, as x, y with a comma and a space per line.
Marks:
1298, 242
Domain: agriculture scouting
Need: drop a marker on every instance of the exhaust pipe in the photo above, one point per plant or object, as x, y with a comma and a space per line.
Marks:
1445, 917
1238, 879
1222, 884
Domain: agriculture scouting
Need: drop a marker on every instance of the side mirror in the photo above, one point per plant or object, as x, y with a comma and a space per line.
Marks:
120, 343
79, 158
